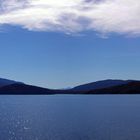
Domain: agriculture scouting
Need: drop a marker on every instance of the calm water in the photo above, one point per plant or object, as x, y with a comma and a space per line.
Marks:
63, 117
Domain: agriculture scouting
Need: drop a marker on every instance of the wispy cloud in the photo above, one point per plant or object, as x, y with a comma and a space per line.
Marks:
72, 16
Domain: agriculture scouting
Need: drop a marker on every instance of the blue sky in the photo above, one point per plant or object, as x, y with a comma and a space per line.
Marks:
72, 47
57, 60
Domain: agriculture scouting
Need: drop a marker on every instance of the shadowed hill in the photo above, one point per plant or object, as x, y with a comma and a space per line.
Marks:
130, 88
5, 82
18, 89
100, 84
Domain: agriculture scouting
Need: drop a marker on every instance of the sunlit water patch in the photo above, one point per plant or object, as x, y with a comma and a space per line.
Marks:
70, 117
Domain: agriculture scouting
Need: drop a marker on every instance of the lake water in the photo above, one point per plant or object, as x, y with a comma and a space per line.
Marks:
70, 117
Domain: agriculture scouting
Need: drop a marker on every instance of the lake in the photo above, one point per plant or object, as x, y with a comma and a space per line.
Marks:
70, 117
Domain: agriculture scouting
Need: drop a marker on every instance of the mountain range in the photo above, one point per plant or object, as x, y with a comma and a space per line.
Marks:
109, 86
100, 84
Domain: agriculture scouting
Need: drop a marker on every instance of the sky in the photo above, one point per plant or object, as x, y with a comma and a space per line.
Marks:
60, 44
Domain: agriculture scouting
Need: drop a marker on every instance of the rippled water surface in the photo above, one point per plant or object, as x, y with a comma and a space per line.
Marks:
70, 117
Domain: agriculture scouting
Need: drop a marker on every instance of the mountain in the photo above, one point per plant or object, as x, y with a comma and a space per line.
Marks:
100, 84
9, 87
5, 82
129, 88
23, 89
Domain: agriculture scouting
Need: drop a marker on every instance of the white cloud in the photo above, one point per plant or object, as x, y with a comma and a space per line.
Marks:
72, 16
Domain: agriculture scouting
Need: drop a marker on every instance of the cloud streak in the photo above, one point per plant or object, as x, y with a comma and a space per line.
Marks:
73, 16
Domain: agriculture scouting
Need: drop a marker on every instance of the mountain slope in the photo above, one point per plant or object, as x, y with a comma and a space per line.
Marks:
129, 88
23, 89
100, 84
4, 82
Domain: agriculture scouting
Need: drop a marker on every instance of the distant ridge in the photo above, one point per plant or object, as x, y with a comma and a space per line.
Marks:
10, 87
23, 89
100, 84
5, 82
129, 88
